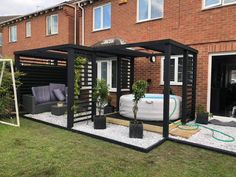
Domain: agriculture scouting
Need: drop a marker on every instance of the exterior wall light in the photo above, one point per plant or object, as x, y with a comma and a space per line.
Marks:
152, 59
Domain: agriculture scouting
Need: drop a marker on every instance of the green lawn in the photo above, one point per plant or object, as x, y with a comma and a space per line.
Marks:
37, 150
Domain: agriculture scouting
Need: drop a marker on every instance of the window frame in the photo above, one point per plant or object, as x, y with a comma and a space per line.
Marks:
1, 37
175, 82
10, 35
149, 12
220, 4
109, 72
28, 33
102, 14
51, 24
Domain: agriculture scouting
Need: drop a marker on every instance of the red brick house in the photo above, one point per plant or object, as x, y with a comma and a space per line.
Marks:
2, 19
52, 26
206, 25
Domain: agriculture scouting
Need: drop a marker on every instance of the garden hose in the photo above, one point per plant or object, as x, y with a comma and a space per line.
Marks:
196, 126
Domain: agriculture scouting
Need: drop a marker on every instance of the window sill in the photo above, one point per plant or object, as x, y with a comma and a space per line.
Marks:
27, 37
49, 35
149, 20
172, 84
217, 7
104, 29
12, 42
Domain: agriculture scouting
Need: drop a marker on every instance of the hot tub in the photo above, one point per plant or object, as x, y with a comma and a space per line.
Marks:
150, 107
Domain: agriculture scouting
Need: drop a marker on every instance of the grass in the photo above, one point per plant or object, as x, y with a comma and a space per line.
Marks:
37, 150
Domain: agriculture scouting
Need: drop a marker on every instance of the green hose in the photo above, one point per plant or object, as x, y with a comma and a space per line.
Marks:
196, 126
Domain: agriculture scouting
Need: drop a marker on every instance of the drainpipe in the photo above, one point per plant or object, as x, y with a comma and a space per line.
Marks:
83, 26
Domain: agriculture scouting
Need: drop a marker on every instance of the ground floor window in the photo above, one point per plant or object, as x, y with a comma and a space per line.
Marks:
107, 70
176, 70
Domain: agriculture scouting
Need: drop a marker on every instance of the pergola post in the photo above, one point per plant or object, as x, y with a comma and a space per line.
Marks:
70, 84
118, 85
94, 81
131, 74
184, 87
194, 86
166, 91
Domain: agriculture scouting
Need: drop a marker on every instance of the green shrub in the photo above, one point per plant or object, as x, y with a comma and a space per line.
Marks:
100, 94
139, 90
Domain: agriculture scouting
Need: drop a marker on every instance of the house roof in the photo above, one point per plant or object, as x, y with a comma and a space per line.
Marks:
6, 18
14, 19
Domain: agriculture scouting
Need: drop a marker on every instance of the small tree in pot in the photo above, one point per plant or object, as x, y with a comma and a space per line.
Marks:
100, 95
136, 127
202, 115
109, 108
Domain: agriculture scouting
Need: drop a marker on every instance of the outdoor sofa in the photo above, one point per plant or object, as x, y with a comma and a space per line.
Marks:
44, 97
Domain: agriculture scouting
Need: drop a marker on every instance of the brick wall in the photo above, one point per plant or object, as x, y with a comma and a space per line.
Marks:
207, 31
38, 30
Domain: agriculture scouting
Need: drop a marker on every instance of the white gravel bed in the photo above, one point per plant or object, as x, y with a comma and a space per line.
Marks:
49, 118
114, 132
119, 133
204, 136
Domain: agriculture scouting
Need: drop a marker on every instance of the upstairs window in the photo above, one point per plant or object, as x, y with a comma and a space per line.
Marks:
52, 24
12, 34
215, 3
28, 29
150, 10
102, 17
0, 39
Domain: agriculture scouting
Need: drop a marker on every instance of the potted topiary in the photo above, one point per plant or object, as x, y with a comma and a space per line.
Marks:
202, 115
100, 95
136, 127
109, 108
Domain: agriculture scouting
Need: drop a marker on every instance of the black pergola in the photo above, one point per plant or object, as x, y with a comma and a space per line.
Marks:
63, 56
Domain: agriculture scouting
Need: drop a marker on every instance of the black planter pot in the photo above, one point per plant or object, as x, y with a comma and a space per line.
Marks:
108, 109
202, 118
135, 129
99, 122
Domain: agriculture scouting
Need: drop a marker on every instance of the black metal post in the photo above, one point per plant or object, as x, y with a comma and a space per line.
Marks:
70, 84
194, 86
118, 84
94, 81
184, 87
17, 62
166, 91
131, 73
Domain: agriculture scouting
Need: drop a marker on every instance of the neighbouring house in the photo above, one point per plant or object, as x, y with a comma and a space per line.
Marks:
2, 19
206, 25
52, 26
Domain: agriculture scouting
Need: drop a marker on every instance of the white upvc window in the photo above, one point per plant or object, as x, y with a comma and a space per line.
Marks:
102, 17
176, 70
149, 10
0, 39
28, 29
216, 3
107, 70
13, 33
52, 24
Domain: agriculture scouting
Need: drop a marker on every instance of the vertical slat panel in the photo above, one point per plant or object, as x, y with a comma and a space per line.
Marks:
184, 87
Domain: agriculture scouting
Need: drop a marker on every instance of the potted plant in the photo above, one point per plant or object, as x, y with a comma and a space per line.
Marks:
109, 108
136, 127
100, 95
202, 115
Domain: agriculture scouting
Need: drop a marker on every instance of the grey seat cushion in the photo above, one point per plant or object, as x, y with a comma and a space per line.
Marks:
41, 94
59, 94
54, 86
